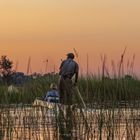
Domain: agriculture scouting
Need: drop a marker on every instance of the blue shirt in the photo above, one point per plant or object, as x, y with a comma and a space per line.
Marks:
52, 96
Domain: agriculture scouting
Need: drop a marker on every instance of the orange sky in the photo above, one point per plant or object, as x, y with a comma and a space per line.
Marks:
48, 29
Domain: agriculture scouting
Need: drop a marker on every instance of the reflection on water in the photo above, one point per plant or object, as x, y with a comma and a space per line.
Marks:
38, 123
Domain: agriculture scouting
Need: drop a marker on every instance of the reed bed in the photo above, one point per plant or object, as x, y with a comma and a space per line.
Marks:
111, 109
92, 89
112, 113
40, 123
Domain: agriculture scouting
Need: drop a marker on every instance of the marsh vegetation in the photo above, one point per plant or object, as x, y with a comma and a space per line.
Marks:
112, 109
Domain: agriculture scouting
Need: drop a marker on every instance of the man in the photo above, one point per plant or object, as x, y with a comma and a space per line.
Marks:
68, 69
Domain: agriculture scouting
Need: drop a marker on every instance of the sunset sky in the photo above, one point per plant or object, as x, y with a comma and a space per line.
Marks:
48, 29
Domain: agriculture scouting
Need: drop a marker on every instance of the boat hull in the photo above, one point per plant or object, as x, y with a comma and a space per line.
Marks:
41, 103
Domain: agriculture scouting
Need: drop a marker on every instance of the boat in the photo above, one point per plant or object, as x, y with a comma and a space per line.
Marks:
41, 103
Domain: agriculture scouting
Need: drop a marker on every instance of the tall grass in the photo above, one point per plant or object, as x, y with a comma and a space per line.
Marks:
98, 90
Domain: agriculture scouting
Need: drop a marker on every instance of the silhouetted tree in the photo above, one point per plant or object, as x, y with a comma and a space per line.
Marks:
6, 71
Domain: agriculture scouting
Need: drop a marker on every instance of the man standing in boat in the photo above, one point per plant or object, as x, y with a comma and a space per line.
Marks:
68, 69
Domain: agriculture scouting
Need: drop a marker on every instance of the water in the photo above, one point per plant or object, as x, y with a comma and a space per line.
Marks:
39, 123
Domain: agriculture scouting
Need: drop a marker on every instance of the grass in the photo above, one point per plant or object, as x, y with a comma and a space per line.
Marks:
92, 90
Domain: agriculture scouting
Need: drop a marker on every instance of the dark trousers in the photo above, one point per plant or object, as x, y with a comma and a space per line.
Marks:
66, 91
65, 122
